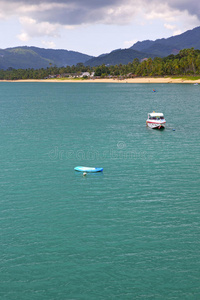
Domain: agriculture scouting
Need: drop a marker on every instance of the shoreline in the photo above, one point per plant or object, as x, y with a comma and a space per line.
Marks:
128, 80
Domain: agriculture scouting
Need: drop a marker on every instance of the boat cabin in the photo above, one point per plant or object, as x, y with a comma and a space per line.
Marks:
156, 116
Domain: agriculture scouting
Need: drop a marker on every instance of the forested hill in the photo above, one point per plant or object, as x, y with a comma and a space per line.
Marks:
37, 58
33, 57
172, 45
187, 62
120, 56
159, 48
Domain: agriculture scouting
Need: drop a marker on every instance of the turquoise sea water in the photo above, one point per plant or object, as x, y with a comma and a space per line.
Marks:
131, 232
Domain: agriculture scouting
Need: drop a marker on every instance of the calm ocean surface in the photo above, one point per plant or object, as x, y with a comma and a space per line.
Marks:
131, 232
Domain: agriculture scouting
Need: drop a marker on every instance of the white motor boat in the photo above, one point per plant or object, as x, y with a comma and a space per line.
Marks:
155, 120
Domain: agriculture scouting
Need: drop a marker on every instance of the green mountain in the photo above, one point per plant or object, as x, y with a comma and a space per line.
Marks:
161, 48
172, 45
36, 58
116, 57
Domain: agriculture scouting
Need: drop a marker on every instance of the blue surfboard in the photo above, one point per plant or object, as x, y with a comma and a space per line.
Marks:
88, 169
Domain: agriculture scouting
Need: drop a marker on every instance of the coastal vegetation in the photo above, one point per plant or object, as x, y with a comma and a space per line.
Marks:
185, 63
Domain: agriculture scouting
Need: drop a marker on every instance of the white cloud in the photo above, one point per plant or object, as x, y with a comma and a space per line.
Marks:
33, 29
169, 26
177, 32
128, 44
49, 44
23, 37
44, 17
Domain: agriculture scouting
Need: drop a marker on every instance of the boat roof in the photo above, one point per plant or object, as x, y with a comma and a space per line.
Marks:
153, 114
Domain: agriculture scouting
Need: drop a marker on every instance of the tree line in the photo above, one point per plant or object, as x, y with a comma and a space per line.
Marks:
186, 62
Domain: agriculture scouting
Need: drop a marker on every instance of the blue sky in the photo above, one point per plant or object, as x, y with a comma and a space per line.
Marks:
93, 27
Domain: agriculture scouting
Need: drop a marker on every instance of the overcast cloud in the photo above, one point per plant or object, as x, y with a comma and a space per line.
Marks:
46, 17
77, 12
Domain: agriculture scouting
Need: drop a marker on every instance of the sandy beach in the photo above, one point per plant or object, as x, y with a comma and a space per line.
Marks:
129, 80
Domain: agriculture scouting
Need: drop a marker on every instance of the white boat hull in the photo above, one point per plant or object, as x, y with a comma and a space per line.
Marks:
155, 125
88, 169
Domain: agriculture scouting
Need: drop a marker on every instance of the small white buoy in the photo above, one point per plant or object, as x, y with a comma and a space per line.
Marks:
84, 173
